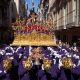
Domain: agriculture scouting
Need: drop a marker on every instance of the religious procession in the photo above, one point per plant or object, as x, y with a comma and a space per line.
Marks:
32, 47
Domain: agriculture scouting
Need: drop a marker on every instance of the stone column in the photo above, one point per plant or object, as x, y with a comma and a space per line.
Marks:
64, 18
77, 12
74, 10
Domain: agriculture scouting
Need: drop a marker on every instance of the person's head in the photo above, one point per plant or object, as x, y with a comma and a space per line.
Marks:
74, 44
37, 50
6, 35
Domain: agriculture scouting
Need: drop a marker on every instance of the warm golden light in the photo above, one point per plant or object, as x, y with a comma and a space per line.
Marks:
47, 64
7, 63
67, 63
27, 64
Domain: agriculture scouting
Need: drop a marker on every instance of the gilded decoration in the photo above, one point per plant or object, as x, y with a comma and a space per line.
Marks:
33, 33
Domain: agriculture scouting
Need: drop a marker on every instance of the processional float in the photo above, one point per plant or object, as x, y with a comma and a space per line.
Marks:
33, 35
37, 35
